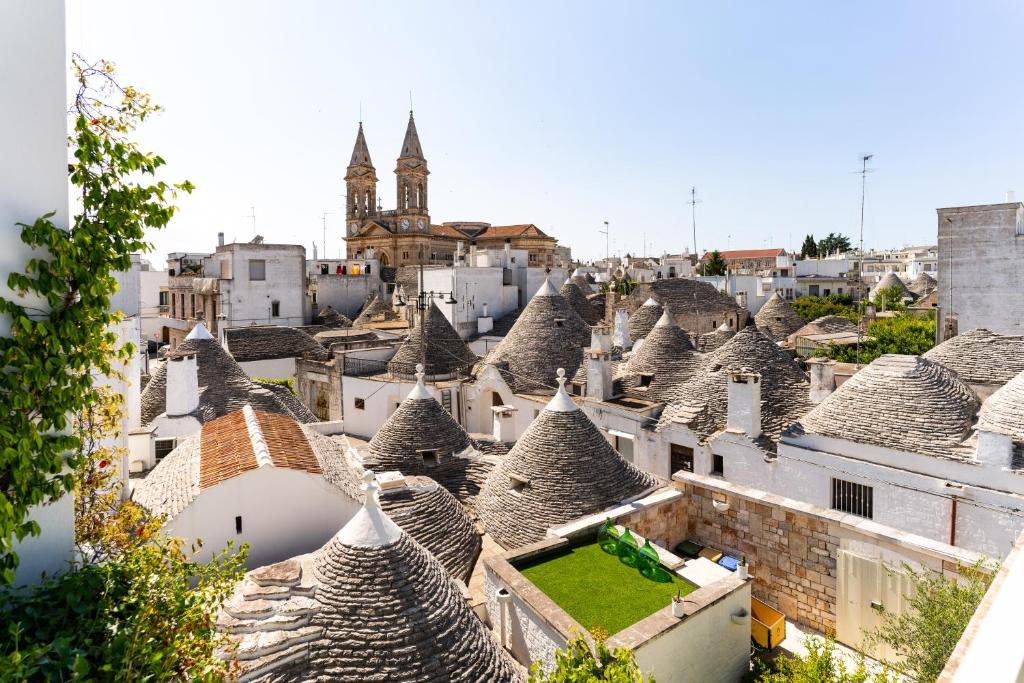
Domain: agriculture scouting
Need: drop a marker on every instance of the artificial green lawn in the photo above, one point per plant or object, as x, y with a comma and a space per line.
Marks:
597, 589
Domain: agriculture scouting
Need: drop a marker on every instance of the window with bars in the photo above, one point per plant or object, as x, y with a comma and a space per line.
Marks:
681, 458
164, 447
856, 499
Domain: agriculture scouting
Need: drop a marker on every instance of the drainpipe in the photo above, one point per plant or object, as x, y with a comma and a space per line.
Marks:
504, 609
952, 522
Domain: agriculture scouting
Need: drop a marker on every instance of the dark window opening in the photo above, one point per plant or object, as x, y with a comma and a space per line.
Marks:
718, 465
164, 447
645, 379
275, 309
559, 322
360, 404
430, 457
238, 524
681, 458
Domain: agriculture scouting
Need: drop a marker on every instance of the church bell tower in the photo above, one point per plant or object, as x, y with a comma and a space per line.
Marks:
412, 173
360, 185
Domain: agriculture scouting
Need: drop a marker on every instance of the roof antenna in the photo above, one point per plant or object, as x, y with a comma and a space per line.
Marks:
864, 170
410, 103
360, 112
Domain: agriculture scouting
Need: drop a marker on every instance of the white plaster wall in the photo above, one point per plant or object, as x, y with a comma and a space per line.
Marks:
346, 293
530, 638
381, 399
284, 513
826, 267
246, 301
150, 284
535, 280
275, 368
473, 288
33, 181
127, 297
707, 647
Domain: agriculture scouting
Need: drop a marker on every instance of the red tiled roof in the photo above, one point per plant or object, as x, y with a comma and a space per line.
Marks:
493, 231
288, 446
225, 450
746, 253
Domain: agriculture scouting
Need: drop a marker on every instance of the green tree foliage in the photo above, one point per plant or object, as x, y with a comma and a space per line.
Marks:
813, 307
715, 265
621, 286
890, 299
809, 248
289, 383
578, 664
143, 615
924, 636
833, 243
52, 355
821, 664
902, 334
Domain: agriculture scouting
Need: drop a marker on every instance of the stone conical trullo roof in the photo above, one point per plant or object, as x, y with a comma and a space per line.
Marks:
711, 341
1001, 412
223, 385
644, 319
370, 605
702, 403
329, 317
922, 284
434, 343
668, 354
548, 335
372, 308
777, 319
419, 437
570, 291
561, 468
905, 403
427, 512
582, 282
980, 356
826, 324
888, 281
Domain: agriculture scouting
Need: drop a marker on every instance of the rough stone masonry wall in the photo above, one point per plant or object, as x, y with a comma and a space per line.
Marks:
663, 524
792, 555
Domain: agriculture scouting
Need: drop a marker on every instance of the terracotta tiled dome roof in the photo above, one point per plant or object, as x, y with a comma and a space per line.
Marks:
561, 468
644, 319
436, 345
777, 319
905, 403
548, 335
372, 604
702, 403
981, 357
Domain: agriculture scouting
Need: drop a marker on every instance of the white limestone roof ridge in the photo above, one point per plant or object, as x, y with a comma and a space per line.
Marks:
666, 320
650, 302
561, 403
259, 444
199, 332
547, 289
370, 527
419, 392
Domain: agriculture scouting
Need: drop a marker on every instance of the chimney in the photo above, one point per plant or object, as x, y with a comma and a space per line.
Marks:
314, 250
504, 424
508, 253
458, 252
744, 412
823, 378
621, 336
741, 299
472, 254
220, 239
182, 384
599, 370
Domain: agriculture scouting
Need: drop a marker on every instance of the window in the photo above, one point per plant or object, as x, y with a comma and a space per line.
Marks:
192, 303
174, 307
163, 299
645, 378
360, 404
429, 456
275, 309
163, 447
839, 290
238, 524
623, 443
405, 256
257, 269
681, 458
718, 465
533, 258
856, 499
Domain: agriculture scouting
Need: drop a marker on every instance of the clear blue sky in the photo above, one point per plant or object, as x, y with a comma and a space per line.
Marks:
567, 114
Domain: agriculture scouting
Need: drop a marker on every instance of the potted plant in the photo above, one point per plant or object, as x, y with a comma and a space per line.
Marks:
742, 571
678, 610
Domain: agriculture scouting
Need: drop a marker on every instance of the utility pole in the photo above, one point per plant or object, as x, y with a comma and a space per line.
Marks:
864, 170
693, 211
607, 253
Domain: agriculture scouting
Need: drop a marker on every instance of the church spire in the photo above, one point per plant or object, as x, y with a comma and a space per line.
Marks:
411, 144
360, 153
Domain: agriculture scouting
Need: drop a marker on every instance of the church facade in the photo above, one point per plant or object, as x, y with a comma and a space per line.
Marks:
405, 235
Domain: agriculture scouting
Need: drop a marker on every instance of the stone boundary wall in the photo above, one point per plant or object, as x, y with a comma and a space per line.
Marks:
791, 546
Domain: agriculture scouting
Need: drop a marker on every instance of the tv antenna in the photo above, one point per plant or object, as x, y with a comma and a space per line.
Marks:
252, 215
864, 170
693, 211
607, 254
323, 217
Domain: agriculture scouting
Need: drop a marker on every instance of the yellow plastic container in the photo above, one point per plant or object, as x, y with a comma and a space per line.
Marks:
767, 625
